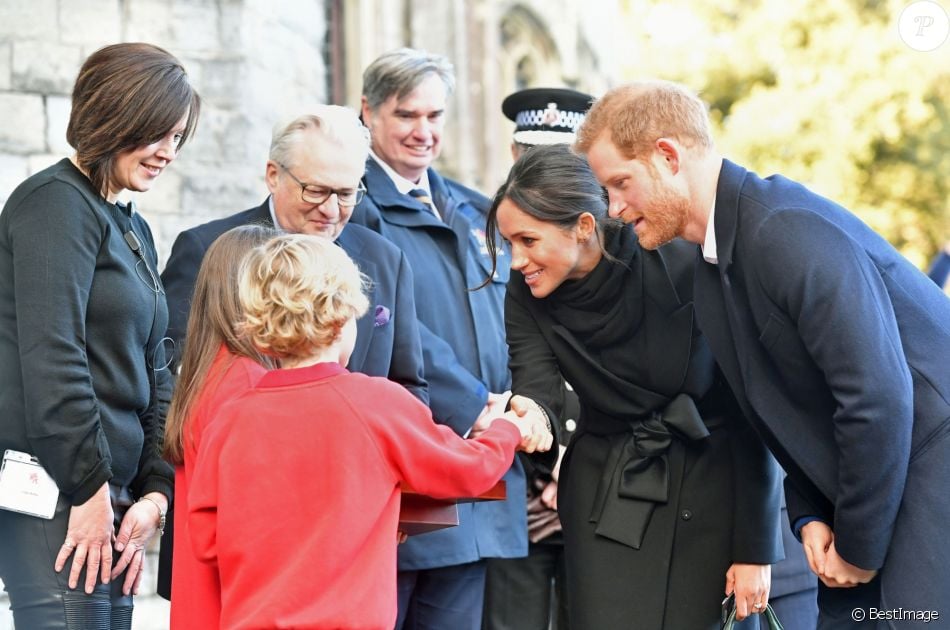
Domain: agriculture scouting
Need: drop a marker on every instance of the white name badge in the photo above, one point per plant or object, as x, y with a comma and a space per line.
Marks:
26, 487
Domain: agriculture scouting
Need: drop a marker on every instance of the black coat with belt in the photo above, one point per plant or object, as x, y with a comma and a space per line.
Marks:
664, 486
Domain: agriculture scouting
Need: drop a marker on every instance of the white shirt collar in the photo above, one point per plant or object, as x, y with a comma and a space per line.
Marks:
710, 253
273, 213
402, 184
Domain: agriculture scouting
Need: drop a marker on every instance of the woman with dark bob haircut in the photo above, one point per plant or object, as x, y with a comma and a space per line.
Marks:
84, 384
666, 498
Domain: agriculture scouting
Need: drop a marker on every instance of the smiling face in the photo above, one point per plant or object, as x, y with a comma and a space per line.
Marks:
544, 253
639, 194
318, 160
137, 169
407, 133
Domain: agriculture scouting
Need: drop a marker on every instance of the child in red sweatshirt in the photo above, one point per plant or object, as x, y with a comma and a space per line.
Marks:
295, 495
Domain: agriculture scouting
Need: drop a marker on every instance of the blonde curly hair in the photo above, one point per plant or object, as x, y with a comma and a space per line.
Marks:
297, 292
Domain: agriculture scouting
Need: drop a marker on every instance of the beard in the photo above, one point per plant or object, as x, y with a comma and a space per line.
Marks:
664, 218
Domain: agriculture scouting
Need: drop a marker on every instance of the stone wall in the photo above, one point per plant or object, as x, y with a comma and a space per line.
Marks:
252, 61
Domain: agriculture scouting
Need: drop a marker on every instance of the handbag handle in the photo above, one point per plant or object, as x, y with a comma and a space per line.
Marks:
729, 621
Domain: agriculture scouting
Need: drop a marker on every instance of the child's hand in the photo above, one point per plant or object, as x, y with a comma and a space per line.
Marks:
535, 436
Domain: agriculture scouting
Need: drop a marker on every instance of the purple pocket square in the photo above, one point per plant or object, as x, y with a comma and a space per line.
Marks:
380, 316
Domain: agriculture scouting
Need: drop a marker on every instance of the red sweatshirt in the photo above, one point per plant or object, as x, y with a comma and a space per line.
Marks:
196, 593
296, 494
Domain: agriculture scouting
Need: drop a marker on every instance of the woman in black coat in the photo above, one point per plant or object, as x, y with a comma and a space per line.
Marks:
666, 497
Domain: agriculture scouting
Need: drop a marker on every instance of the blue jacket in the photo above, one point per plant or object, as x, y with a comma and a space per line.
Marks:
463, 346
391, 349
837, 348
940, 269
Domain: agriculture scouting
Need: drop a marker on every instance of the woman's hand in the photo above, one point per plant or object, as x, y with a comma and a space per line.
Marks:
89, 540
751, 584
138, 526
531, 422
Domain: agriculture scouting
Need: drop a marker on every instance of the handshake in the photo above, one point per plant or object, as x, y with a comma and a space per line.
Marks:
527, 415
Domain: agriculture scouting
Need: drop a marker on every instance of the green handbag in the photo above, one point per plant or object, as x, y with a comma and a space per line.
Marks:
729, 615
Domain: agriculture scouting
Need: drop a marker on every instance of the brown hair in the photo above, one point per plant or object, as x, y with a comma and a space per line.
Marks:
127, 96
215, 310
636, 115
297, 291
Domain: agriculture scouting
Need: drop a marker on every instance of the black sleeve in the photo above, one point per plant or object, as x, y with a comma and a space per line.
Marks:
535, 373
55, 240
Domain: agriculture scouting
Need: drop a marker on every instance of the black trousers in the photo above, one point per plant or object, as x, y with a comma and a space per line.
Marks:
40, 598
519, 594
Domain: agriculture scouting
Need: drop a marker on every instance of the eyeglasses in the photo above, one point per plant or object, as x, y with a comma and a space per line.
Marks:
312, 193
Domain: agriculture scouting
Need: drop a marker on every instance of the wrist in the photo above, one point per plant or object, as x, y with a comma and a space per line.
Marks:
544, 414
157, 500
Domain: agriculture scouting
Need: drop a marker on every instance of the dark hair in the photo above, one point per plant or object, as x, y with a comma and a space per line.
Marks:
127, 96
554, 185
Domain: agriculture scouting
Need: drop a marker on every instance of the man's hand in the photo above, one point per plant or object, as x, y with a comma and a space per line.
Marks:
493, 409
833, 570
839, 573
816, 540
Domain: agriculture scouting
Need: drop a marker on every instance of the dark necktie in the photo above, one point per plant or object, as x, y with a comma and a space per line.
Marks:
423, 196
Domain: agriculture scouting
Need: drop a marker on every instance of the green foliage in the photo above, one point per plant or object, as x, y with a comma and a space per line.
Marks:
822, 91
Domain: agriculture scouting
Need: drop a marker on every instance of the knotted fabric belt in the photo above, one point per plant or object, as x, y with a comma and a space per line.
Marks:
636, 474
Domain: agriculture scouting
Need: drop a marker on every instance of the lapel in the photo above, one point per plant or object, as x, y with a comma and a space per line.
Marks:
716, 306
713, 319
400, 209
261, 215
727, 212
365, 325
672, 336
454, 215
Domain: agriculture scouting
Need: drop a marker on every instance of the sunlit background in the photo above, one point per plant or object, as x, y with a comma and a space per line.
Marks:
822, 91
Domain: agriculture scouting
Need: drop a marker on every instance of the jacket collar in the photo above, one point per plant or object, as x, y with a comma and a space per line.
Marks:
405, 209
726, 217
262, 215
296, 376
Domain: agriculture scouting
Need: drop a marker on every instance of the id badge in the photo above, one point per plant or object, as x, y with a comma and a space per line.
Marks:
26, 487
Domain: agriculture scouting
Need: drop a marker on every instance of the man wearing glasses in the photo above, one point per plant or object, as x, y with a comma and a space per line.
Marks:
313, 175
